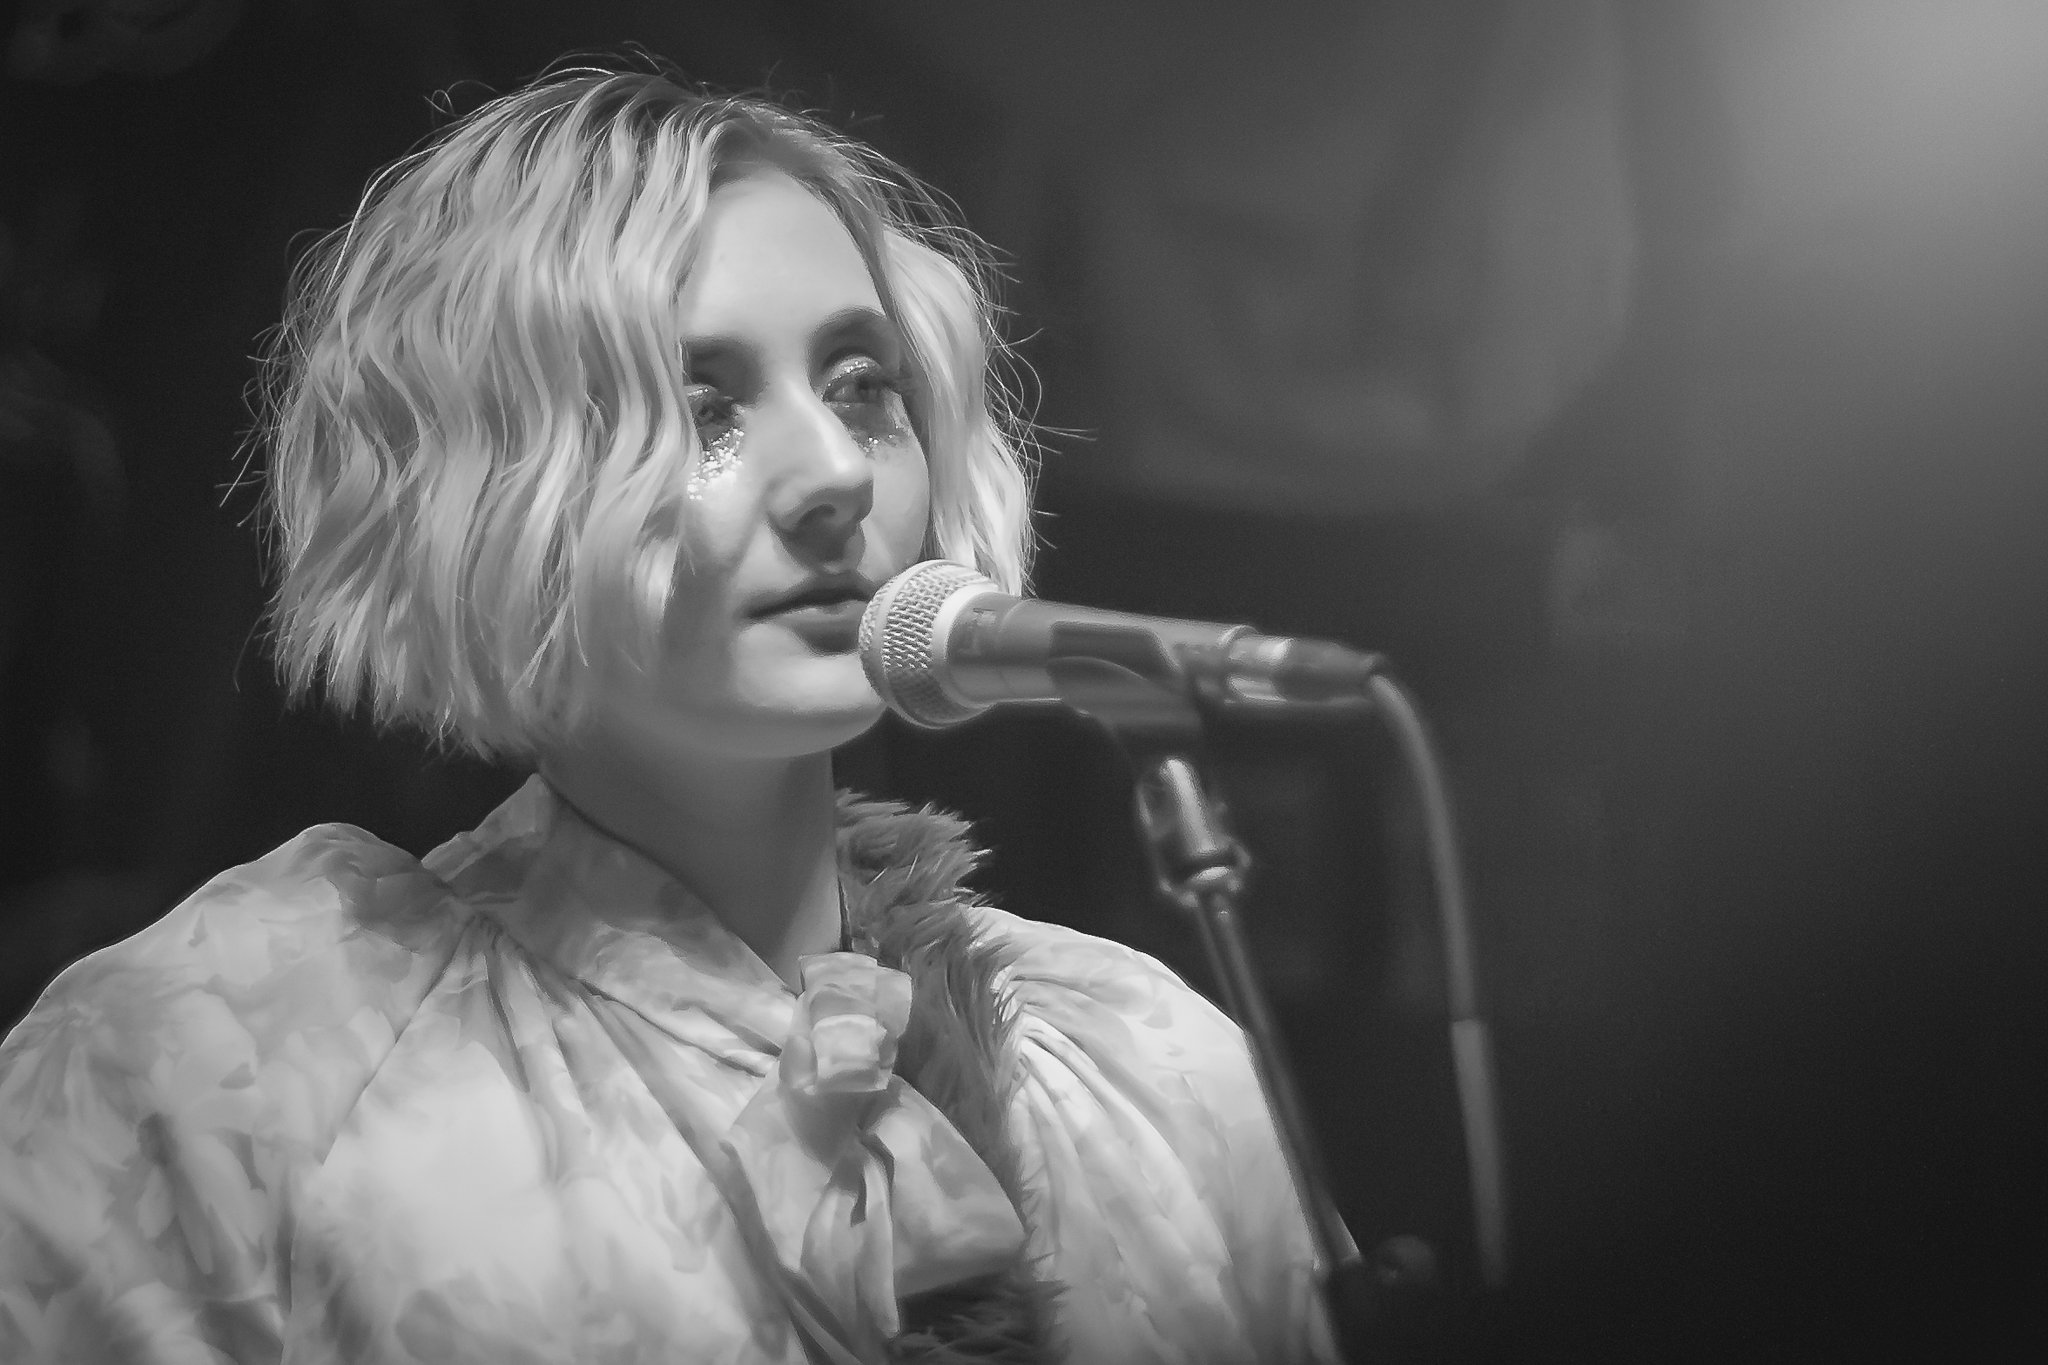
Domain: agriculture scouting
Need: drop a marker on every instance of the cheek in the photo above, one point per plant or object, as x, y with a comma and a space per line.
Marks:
902, 512
713, 532
719, 519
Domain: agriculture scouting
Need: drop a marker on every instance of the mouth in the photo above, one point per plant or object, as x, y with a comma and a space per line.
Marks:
825, 613
821, 597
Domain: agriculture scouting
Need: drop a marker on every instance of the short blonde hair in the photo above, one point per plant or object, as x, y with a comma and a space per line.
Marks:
474, 405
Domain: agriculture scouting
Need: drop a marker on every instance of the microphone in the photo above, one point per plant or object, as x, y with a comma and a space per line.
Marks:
942, 643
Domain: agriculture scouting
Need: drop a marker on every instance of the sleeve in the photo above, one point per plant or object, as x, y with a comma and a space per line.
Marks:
131, 1227
1166, 1189
155, 1100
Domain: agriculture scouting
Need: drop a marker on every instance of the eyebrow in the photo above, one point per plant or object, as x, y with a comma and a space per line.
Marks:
858, 323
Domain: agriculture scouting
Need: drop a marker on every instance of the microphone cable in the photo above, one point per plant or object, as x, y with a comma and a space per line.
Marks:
1471, 1045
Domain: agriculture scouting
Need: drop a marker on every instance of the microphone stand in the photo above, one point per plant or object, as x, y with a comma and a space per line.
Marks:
1199, 865
1146, 696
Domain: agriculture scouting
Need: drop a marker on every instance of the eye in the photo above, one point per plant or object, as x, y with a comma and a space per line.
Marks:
862, 380
868, 397
716, 417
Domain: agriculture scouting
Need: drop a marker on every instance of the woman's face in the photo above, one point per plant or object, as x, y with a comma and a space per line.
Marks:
810, 488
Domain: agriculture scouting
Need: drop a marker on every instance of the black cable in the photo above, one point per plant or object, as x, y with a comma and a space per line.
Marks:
1471, 1045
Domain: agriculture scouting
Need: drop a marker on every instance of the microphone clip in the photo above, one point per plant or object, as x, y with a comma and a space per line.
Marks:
1192, 852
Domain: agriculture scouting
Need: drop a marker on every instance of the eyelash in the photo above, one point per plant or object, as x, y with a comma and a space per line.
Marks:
709, 406
866, 371
712, 408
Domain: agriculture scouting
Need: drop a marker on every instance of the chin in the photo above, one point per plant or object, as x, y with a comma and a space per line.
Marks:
812, 710
796, 736
838, 721
769, 707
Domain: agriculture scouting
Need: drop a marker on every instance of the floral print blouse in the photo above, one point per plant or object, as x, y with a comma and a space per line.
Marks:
526, 1100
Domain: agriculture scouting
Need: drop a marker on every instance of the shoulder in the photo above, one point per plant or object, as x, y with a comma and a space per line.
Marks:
156, 1101
1060, 968
1113, 1010
318, 937
1157, 1171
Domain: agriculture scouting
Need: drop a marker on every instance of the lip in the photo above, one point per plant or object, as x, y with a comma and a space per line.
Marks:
823, 611
829, 593
833, 627
846, 608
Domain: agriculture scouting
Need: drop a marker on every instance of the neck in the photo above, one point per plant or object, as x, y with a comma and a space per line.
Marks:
754, 839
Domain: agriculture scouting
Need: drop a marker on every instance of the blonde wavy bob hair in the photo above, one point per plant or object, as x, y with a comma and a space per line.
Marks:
476, 415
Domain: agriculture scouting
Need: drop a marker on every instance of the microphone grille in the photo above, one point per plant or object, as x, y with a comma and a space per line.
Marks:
899, 644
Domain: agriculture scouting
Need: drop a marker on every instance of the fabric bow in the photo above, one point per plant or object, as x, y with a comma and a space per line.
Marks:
865, 1187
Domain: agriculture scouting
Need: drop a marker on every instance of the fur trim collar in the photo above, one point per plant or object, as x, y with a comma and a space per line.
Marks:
905, 874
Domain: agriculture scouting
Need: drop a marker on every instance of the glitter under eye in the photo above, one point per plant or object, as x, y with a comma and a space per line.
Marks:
719, 435
891, 430
715, 458
869, 400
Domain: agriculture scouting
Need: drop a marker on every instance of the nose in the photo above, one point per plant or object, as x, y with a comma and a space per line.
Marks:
822, 484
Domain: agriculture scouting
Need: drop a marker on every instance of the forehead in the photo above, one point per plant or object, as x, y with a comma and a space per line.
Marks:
772, 258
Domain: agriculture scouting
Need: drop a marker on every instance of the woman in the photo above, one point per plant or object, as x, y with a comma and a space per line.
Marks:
590, 436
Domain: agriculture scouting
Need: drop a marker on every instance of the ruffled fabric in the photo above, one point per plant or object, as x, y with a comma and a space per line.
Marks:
502, 1106
864, 1186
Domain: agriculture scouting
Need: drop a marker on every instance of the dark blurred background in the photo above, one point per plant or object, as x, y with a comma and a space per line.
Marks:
1663, 385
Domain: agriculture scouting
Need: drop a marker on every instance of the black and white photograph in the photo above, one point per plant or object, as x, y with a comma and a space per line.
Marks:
1102, 682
